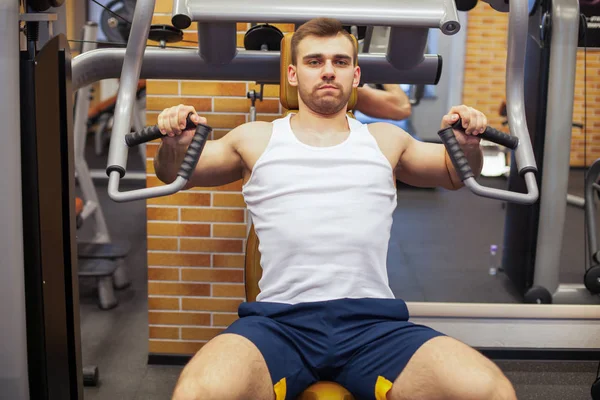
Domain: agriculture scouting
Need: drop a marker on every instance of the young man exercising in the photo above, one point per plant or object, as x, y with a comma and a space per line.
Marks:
321, 191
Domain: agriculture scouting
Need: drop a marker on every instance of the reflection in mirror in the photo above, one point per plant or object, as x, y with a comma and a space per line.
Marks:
453, 246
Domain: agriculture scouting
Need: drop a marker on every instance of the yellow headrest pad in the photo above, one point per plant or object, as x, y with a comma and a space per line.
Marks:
288, 95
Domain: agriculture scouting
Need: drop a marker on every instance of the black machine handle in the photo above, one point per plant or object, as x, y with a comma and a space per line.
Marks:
493, 135
193, 152
459, 160
152, 132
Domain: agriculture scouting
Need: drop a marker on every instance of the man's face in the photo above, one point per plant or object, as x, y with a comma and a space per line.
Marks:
325, 73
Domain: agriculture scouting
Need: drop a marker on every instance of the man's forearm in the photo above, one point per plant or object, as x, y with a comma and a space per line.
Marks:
401, 98
167, 161
474, 155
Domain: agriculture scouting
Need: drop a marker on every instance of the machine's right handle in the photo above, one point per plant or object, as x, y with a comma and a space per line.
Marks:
461, 165
494, 135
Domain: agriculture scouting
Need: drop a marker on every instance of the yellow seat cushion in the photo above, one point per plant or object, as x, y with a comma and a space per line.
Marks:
326, 391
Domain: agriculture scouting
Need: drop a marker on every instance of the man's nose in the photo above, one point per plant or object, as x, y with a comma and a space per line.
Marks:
328, 70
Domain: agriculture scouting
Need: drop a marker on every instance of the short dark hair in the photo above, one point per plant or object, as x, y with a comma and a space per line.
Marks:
321, 27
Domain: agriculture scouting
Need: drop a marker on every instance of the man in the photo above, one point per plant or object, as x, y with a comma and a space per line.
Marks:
320, 188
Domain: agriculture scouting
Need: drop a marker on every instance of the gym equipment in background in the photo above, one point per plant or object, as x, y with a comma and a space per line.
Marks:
100, 258
116, 24
533, 235
591, 278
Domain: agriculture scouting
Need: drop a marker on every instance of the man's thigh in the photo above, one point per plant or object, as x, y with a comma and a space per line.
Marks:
445, 368
227, 367
283, 352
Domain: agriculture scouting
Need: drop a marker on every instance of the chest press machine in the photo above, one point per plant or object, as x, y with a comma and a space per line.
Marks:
405, 62
218, 59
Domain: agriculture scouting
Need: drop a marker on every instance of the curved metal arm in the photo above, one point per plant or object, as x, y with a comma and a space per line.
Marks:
130, 75
461, 165
518, 26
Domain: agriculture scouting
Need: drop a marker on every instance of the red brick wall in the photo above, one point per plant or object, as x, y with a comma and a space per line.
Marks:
196, 238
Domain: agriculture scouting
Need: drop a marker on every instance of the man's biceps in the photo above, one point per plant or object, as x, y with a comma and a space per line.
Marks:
423, 155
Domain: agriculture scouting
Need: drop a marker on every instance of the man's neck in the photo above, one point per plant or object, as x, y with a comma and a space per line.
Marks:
311, 122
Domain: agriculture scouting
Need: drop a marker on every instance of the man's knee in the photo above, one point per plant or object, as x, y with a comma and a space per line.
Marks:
490, 386
197, 388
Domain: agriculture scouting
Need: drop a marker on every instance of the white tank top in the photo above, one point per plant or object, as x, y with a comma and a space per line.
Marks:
323, 217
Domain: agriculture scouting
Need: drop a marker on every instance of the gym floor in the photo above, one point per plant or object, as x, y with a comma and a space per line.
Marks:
439, 251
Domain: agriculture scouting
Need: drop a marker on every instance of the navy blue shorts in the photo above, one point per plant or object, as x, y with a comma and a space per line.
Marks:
362, 344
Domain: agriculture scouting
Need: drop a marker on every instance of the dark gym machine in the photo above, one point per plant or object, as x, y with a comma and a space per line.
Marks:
48, 201
533, 235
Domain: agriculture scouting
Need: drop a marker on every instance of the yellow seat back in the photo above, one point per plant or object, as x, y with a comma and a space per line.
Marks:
253, 271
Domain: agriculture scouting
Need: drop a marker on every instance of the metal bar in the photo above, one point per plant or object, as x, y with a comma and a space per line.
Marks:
82, 104
441, 14
129, 176
55, 26
220, 51
367, 39
248, 65
88, 190
515, 85
568, 293
522, 198
141, 194
487, 310
403, 53
561, 91
13, 351
575, 201
130, 75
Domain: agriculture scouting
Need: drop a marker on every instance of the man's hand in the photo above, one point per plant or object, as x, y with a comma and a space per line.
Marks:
172, 122
474, 123
175, 140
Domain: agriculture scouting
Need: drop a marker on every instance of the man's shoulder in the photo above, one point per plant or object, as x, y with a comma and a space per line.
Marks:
252, 128
387, 129
251, 134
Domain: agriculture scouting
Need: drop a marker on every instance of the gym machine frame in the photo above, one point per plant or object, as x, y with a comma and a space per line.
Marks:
40, 357
482, 325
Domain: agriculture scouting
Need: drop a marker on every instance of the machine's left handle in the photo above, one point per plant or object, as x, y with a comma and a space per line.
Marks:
194, 150
151, 133
190, 160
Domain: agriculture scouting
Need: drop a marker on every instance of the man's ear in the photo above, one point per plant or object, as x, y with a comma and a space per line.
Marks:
292, 76
357, 74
